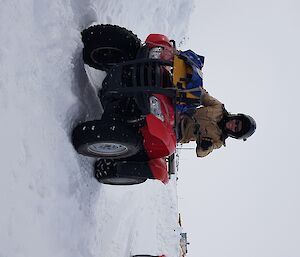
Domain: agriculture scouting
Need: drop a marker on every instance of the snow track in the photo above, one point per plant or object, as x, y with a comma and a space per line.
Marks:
50, 203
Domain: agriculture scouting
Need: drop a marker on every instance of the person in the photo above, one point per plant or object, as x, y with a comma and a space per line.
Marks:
211, 124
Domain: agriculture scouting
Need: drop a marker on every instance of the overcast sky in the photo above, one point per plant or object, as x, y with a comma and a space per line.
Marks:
247, 194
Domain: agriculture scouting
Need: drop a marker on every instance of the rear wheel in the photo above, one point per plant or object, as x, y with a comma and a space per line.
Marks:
106, 45
106, 173
106, 139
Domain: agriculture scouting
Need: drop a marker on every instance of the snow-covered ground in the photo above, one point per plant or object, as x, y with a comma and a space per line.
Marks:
50, 203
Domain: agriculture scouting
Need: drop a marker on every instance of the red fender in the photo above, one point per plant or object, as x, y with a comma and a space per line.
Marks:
158, 40
154, 40
159, 169
159, 137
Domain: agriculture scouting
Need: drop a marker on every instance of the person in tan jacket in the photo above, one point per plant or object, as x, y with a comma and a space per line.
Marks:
210, 125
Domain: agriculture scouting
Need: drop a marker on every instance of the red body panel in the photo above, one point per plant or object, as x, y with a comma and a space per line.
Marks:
154, 40
159, 169
158, 40
159, 137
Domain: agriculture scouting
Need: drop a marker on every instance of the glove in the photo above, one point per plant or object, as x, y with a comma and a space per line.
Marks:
205, 143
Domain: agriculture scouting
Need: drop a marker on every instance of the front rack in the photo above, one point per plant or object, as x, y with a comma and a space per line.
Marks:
139, 76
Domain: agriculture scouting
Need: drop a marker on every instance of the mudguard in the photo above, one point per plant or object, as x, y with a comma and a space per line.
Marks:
159, 40
154, 40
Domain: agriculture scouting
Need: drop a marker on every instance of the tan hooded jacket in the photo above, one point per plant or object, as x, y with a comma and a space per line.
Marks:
207, 116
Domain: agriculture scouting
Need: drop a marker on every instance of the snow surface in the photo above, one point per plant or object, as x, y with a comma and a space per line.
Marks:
50, 203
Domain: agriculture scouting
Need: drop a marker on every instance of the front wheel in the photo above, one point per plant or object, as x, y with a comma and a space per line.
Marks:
106, 139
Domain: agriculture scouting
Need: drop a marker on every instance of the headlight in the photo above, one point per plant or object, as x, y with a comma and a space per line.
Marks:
155, 52
155, 108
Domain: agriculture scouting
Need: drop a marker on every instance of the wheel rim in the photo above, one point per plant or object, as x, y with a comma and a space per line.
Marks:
108, 149
107, 55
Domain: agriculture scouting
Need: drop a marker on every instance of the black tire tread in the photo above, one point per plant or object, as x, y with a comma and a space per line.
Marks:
99, 131
105, 171
108, 35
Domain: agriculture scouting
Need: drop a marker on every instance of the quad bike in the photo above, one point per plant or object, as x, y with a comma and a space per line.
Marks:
136, 137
